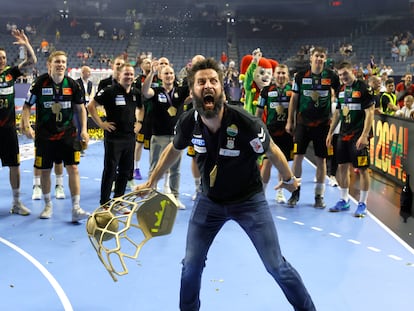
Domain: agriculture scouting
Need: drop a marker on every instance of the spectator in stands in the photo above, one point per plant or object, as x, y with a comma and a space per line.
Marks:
309, 119
167, 105
85, 35
9, 147
353, 141
44, 47
114, 34
101, 33
231, 83
57, 36
384, 78
388, 99
390, 71
395, 53
374, 82
403, 51
404, 88
57, 97
121, 34
224, 58
408, 110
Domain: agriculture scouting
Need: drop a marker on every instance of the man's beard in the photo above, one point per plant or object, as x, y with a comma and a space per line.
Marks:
198, 103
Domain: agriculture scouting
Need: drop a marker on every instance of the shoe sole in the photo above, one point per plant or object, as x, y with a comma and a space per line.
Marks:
360, 215
339, 210
19, 213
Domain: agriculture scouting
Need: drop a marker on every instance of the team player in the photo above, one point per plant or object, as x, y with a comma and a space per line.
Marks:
273, 110
57, 98
309, 119
355, 110
9, 147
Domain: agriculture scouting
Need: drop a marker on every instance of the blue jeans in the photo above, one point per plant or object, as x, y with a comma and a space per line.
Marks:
254, 216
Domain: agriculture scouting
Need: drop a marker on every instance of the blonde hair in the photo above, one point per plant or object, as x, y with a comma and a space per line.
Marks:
55, 54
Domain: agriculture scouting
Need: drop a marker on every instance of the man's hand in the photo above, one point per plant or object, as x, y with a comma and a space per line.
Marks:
20, 37
290, 186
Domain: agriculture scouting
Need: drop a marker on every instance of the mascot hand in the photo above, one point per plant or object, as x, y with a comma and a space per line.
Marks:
257, 54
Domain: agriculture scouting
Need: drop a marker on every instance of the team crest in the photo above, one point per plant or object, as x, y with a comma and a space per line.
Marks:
232, 130
230, 143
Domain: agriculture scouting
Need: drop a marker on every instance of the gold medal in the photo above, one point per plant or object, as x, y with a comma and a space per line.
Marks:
213, 175
56, 108
315, 97
172, 111
345, 110
279, 109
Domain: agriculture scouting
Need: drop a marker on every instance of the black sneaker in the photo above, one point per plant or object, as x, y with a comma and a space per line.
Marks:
294, 198
319, 202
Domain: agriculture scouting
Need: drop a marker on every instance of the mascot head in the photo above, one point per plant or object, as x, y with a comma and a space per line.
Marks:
264, 71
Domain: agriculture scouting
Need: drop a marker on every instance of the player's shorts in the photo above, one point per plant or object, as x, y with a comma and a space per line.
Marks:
47, 152
285, 143
346, 152
306, 134
9, 147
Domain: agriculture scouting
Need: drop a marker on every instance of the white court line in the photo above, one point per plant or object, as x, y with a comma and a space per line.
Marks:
379, 222
58, 289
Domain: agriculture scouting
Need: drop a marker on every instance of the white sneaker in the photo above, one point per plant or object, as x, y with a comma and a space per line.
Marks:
333, 182
124, 211
19, 209
37, 193
180, 205
79, 214
47, 211
280, 197
59, 192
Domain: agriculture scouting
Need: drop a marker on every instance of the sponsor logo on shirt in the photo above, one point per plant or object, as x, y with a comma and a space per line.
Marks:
307, 81
356, 94
67, 91
47, 91
257, 145
229, 153
326, 82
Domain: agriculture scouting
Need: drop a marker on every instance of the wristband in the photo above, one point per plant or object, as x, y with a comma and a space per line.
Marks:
140, 121
290, 181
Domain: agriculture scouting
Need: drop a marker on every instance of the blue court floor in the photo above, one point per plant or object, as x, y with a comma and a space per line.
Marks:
347, 264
